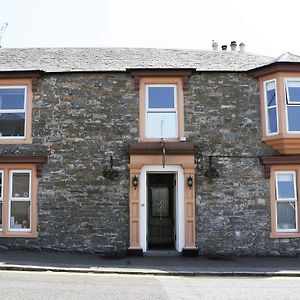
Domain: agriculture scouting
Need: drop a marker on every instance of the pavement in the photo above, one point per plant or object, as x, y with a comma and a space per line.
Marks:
155, 264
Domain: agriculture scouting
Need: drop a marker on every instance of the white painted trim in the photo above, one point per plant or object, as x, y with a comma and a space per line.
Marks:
285, 200
286, 80
268, 133
180, 213
161, 110
287, 104
21, 199
16, 111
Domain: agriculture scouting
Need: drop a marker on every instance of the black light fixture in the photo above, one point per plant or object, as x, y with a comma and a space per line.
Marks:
190, 181
135, 182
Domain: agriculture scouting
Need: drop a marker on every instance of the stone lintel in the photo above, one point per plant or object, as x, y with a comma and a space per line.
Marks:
268, 161
154, 148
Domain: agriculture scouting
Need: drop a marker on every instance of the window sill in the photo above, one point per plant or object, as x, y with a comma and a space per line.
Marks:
33, 234
284, 235
158, 139
284, 143
16, 141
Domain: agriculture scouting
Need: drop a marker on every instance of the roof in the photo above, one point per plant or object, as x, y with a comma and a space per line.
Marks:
120, 59
287, 57
284, 62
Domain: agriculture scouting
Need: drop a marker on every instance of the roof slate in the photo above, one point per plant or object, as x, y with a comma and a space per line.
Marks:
120, 59
287, 57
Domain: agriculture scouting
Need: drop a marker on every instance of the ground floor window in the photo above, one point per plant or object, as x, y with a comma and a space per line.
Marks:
17, 200
284, 201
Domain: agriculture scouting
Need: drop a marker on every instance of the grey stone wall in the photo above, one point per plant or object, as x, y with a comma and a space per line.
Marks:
222, 117
80, 120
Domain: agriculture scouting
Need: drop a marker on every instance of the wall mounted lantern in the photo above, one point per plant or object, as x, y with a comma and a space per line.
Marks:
190, 181
135, 182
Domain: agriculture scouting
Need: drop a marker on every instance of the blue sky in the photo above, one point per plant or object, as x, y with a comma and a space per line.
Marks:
266, 27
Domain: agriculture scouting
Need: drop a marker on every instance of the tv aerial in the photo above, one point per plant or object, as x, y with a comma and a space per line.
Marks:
2, 30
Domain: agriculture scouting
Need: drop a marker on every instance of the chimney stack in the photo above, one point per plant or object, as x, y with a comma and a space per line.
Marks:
233, 45
224, 47
242, 47
215, 45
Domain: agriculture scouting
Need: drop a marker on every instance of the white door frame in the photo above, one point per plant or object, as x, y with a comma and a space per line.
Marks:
180, 228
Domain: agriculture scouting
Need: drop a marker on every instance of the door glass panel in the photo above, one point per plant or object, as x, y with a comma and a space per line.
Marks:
160, 202
286, 215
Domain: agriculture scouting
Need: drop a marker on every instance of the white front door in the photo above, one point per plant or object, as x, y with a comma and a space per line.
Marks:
179, 203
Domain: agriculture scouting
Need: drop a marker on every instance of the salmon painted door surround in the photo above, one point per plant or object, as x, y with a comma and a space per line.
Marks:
183, 167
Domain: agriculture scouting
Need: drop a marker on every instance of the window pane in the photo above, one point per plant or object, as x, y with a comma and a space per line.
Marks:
161, 97
20, 185
12, 98
294, 91
161, 125
271, 95
294, 118
286, 215
285, 185
12, 124
20, 214
272, 116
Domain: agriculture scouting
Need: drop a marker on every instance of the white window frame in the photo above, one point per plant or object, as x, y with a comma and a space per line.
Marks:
268, 133
24, 110
286, 80
161, 110
289, 104
284, 200
19, 199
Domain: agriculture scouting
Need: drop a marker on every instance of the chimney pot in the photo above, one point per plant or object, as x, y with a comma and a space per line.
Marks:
224, 47
215, 46
242, 47
233, 45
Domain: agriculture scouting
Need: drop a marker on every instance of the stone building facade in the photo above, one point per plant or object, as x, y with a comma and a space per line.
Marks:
104, 185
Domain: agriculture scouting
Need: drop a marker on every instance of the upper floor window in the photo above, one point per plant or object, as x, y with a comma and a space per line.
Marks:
15, 111
292, 94
161, 108
161, 115
280, 107
271, 107
12, 112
